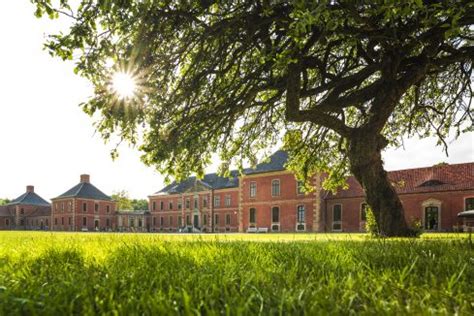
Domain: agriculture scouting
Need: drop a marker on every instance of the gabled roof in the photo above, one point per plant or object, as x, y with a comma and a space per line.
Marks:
84, 190
276, 162
29, 198
421, 180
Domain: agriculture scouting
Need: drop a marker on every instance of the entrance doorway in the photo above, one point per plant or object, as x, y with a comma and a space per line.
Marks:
196, 221
96, 224
431, 218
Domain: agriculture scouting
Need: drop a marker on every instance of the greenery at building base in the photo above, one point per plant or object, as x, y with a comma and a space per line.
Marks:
235, 274
338, 80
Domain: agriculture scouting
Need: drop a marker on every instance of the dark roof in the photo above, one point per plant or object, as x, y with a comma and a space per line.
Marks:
209, 181
6, 211
29, 198
421, 180
276, 162
84, 190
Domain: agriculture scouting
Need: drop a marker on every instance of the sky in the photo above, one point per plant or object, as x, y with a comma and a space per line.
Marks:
46, 140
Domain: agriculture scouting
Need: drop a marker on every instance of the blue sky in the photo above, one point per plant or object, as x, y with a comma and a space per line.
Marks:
47, 140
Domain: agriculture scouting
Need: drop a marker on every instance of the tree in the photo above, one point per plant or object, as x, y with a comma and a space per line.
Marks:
139, 204
338, 81
123, 200
4, 201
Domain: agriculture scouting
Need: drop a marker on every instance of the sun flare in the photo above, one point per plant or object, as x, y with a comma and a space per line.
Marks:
124, 85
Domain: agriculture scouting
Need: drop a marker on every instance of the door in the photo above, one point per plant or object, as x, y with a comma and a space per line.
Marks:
431, 218
196, 221
96, 224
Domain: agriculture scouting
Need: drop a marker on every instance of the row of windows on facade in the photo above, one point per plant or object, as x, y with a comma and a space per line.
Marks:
27, 222
227, 202
431, 215
217, 203
188, 220
84, 207
84, 221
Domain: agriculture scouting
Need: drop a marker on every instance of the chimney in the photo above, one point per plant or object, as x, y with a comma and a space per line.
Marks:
30, 189
85, 178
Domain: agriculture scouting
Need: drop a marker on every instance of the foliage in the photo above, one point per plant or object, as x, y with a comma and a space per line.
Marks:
370, 223
139, 204
73, 273
123, 200
234, 77
4, 201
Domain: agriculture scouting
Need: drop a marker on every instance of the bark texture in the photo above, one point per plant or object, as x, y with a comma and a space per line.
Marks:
367, 167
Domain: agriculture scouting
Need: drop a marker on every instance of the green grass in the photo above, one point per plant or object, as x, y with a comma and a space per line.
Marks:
127, 274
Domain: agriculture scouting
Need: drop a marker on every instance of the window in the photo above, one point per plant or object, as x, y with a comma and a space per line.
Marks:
96, 207
70, 206
300, 187
253, 189
180, 221
170, 205
108, 208
227, 219
300, 214
187, 203
162, 205
84, 221
217, 201
154, 221
204, 201
275, 187
139, 222
132, 222
22, 211
188, 220
196, 202
469, 204
107, 222
227, 200
204, 219
70, 220
62, 207
55, 221
252, 216
275, 214
363, 212
7, 222
84, 207
216, 219
162, 221
62, 220
337, 217
171, 221
179, 205
154, 205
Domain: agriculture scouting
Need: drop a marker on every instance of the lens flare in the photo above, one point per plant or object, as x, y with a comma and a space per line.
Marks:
124, 85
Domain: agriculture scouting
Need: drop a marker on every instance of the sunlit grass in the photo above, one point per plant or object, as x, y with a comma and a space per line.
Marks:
100, 273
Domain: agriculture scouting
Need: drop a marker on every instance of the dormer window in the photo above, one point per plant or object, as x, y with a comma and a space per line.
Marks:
431, 183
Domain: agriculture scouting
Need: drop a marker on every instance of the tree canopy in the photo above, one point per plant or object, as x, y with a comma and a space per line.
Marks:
335, 82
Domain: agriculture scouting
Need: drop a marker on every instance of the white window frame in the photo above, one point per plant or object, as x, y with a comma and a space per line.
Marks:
298, 186
253, 189
227, 200
431, 203
279, 187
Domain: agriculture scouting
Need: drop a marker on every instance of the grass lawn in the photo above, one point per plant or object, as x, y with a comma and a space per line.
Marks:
126, 274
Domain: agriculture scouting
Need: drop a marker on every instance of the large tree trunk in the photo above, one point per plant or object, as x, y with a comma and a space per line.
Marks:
367, 166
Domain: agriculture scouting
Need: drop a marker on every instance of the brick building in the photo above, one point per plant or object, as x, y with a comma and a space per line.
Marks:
83, 208
29, 211
210, 204
269, 198
133, 221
